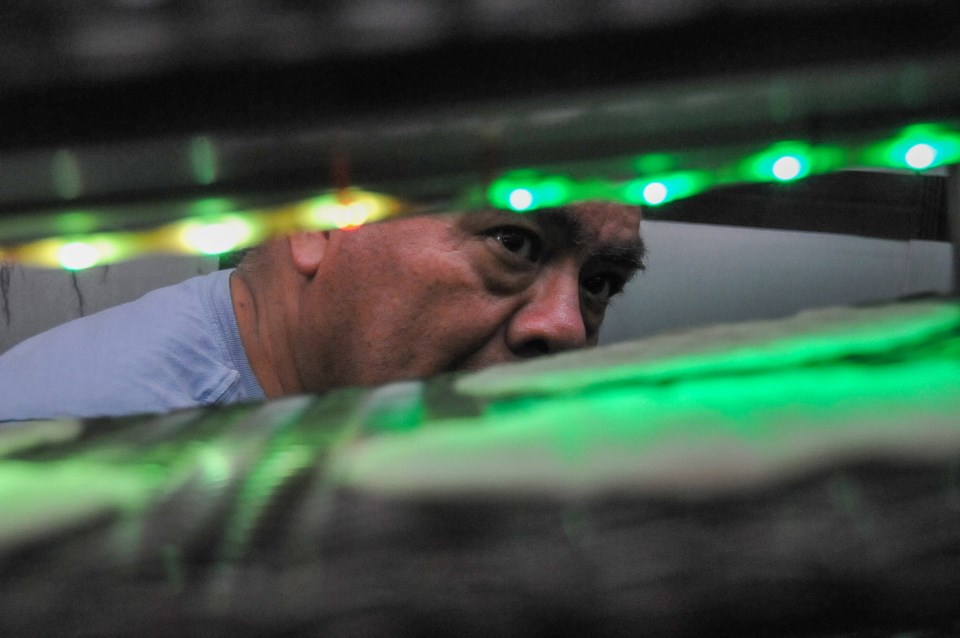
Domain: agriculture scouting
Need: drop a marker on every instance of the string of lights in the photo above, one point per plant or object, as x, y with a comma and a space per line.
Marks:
649, 179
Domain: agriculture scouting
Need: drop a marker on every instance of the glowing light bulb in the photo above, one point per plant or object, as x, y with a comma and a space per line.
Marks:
351, 215
216, 237
655, 193
787, 168
520, 199
78, 255
786, 161
921, 156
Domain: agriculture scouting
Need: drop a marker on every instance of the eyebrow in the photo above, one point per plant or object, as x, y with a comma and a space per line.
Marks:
628, 255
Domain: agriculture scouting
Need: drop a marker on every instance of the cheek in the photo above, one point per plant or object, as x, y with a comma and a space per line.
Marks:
427, 295
456, 313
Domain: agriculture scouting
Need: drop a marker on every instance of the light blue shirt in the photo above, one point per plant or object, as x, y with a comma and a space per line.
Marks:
175, 347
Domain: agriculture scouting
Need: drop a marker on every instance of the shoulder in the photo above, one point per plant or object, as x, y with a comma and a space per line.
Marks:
154, 354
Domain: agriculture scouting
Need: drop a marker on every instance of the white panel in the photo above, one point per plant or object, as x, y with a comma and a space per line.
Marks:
930, 267
33, 300
702, 274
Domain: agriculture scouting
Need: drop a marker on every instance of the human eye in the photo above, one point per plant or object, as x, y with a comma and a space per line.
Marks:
519, 241
602, 286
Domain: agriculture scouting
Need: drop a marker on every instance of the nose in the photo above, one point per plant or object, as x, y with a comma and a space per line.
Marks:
550, 320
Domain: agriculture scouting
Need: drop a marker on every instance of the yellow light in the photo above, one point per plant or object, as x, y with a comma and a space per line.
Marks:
345, 210
78, 255
213, 238
326, 212
353, 214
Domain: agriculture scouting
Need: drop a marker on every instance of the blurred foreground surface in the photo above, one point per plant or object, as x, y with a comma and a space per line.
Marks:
794, 477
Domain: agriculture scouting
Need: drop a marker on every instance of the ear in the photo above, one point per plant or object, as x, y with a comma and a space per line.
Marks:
307, 250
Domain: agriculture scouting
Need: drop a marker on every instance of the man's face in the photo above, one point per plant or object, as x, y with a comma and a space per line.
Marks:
420, 296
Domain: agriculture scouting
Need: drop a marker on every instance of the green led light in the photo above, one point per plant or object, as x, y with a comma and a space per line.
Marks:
655, 193
78, 255
921, 156
918, 147
660, 189
788, 168
782, 162
520, 199
529, 190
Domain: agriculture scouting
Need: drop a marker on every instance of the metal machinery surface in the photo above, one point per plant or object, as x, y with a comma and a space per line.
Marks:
782, 478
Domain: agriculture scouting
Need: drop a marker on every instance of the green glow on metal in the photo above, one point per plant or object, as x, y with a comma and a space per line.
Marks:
395, 408
283, 460
705, 433
36, 498
19, 438
709, 425
214, 465
919, 324
287, 451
